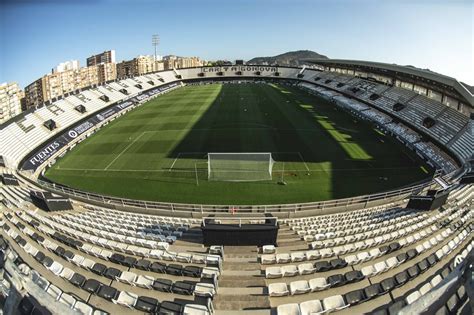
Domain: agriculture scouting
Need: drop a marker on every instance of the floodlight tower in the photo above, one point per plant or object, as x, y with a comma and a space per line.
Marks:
155, 40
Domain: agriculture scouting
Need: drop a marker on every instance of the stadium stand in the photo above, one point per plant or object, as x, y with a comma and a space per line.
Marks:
381, 258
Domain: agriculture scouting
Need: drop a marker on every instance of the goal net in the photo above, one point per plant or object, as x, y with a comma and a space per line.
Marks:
240, 167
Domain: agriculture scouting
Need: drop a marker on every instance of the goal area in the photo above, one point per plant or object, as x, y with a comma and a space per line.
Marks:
240, 167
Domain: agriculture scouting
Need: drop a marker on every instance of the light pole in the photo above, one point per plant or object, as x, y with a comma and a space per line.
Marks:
155, 40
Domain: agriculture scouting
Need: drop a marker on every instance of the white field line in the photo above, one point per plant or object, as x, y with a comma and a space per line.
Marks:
304, 162
192, 170
123, 151
177, 157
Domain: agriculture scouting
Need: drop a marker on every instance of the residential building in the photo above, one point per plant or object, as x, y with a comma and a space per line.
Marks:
68, 65
10, 100
138, 66
105, 57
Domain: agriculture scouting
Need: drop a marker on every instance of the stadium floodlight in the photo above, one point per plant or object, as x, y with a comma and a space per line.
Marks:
155, 40
240, 167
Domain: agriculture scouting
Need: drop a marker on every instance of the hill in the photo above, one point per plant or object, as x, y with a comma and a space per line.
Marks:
291, 58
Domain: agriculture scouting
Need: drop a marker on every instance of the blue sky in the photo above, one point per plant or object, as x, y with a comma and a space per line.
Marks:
37, 35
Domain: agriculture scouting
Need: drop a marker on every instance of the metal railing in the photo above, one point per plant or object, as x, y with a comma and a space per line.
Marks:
205, 208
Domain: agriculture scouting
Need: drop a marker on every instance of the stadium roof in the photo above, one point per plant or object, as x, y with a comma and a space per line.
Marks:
463, 90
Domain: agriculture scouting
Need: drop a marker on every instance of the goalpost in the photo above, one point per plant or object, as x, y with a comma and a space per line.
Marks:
239, 167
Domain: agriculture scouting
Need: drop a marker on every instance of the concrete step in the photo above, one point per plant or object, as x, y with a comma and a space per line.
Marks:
241, 302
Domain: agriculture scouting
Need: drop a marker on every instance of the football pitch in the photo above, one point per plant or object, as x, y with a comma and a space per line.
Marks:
159, 150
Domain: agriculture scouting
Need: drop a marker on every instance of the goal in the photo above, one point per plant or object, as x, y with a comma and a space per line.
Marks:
240, 167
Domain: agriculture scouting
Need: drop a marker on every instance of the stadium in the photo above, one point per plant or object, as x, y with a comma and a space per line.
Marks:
342, 186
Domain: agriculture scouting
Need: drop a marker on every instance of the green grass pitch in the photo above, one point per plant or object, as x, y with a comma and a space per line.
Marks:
159, 150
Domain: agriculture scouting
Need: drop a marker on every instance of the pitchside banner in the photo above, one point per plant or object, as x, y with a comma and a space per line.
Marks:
43, 154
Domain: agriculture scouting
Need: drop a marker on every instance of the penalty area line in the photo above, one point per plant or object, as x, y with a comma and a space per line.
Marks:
304, 162
174, 162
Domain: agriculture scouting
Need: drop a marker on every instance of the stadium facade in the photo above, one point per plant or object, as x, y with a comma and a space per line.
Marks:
327, 251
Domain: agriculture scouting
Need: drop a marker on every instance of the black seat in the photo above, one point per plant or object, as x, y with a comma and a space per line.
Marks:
40, 257
413, 271
91, 285
445, 272
47, 261
108, 293
321, 266
432, 259
336, 280
388, 284
163, 285
384, 249
373, 290
117, 258
129, 261
158, 267
412, 253
182, 287
68, 255
26, 305
423, 265
353, 276
170, 308
143, 264
394, 246
77, 279
174, 269
41, 310
337, 263
59, 251
395, 307
112, 273
355, 297
192, 271
147, 304
99, 269
401, 258
21, 241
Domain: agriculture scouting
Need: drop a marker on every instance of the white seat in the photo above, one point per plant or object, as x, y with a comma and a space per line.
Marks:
312, 254
425, 288
128, 277
305, 269
317, 284
312, 307
68, 300
184, 257
380, 267
83, 308
204, 289
273, 272
334, 303
195, 309
87, 263
297, 256
268, 259
77, 260
56, 268
436, 280
412, 297
299, 287
289, 271
352, 259
127, 299
144, 281
391, 262
326, 252
278, 289
368, 271
283, 258
268, 249
66, 273
54, 291
363, 257
288, 309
